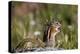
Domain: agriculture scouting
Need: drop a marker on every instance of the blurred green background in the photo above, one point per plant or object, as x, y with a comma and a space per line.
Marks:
28, 19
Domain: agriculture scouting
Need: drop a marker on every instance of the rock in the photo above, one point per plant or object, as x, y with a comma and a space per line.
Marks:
38, 49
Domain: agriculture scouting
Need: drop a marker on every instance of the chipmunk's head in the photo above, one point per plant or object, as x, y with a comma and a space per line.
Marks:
56, 25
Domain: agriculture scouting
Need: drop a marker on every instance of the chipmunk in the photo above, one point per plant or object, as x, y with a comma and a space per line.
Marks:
48, 39
50, 34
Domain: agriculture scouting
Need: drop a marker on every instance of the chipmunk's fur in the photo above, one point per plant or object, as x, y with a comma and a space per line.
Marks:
48, 39
52, 30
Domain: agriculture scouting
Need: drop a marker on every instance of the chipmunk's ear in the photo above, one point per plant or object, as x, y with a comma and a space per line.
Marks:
54, 20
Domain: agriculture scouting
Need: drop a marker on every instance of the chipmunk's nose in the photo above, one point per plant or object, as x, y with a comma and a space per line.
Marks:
59, 28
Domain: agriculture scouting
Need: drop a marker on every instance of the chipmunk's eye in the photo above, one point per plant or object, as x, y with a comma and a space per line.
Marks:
56, 23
